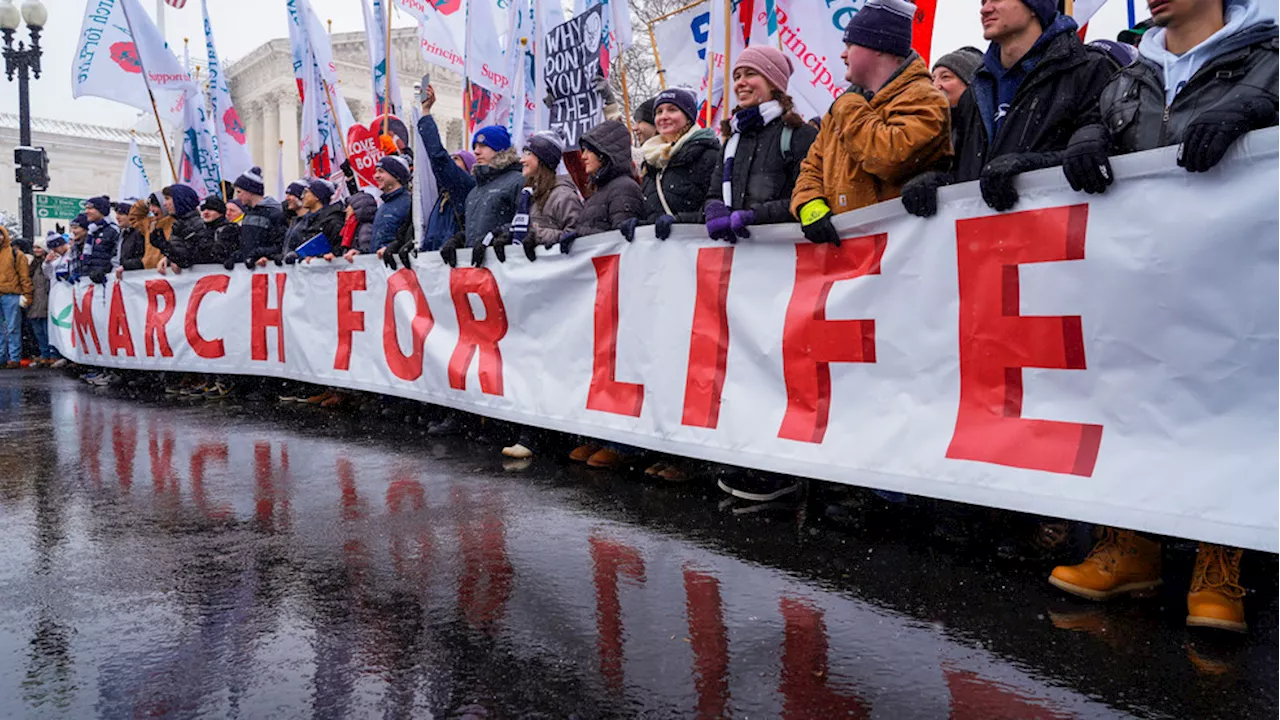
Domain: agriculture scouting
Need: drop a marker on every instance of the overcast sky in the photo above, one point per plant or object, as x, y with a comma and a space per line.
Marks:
239, 26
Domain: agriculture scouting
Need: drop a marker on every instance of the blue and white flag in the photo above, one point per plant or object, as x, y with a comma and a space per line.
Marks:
229, 133
199, 169
381, 59
134, 184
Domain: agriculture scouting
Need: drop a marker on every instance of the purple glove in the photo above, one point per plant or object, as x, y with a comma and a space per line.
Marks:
739, 221
719, 226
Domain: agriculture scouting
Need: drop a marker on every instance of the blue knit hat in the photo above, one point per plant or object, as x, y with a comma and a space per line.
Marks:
398, 167
494, 137
101, 203
1045, 11
883, 25
81, 221
296, 188
251, 181
683, 99
322, 189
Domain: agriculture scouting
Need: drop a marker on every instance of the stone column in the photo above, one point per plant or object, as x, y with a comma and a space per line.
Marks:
251, 113
287, 110
271, 145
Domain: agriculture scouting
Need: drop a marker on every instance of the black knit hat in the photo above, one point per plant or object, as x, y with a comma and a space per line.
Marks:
100, 203
883, 25
296, 188
215, 204
1045, 11
322, 189
397, 167
683, 99
251, 181
644, 113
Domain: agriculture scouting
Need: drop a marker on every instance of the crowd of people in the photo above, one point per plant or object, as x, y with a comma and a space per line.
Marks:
1199, 75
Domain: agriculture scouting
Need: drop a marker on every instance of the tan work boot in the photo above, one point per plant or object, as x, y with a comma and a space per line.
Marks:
1121, 563
1216, 599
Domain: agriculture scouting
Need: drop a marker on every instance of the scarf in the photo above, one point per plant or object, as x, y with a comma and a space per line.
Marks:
658, 152
752, 118
349, 231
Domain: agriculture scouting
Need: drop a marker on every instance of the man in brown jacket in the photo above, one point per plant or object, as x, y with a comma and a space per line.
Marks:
15, 294
891, 125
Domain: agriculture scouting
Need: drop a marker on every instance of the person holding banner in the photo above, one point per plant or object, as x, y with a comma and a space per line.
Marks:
549, 204
453, 180
357, 229
891, 125
394, 216
133, 239
606, 157
765, 143
491, 204
1205, 76
324, 217
263, 226
678, 165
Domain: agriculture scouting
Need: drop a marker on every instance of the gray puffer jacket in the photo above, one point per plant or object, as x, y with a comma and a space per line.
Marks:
492, 203
558, 214
1133, 103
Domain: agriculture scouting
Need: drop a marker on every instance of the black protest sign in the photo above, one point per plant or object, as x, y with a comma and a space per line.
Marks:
573, 62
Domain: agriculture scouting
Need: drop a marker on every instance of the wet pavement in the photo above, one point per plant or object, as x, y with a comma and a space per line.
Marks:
228, 559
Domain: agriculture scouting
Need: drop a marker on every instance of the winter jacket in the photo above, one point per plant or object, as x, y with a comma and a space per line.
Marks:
559, 212
684, 179
133, 247
327, 220
296, 234
99, 254
396, 210
261, 231
39, 307
365, 207
869, 147
617, 197
453, 184
763, 176
492, 203
15, 278
195, 242
1244, 65
1058, 95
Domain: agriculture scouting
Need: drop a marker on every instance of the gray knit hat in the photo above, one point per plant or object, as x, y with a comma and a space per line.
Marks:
963, 62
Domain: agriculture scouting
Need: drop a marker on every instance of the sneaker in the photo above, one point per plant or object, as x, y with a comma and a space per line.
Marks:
174, 389
450, 425
217, 390
583, 453
1216, 599
89, 377
517, 451
758, 488
1123, 562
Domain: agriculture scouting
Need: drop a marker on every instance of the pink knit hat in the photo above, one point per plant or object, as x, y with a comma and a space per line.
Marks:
769, 62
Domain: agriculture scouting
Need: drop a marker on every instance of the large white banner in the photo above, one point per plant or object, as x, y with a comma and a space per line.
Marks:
1109, 359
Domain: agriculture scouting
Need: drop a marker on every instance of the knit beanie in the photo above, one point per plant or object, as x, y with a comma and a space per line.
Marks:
322, 189
1122, 54
54, 240
251, 181
122, 208
468, 158
683, 99
296, 188
884, 26
548, 147
101, 203
184, 199
81, 221
215, 204
963, 62
644, 113
494, 137
397, 167
1045, 10
769, 62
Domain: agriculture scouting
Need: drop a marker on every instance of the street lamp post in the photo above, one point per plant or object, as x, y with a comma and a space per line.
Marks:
24, 61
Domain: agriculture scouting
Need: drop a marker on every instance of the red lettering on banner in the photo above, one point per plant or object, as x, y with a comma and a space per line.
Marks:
975, 698
405, 367
475, 335
263, 317
153, 332
118, 335
208, 349
349, 321
811, 342
82, 319
606, 394
709, 339
804, 682
996, 343
608, 559
709, 639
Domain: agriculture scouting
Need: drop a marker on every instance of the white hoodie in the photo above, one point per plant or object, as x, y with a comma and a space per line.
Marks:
1179, 69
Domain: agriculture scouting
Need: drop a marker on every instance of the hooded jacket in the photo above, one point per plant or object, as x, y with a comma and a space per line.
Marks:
1057, 94
492, 202
617, 196
452, 183
195, 242
684, 179
869, 147
763, 176
1236, 62
133, 248
261, 230
364, 207
15, 269
39, 307
558, 213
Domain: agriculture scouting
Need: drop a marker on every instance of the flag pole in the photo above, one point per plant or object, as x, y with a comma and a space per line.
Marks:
728, 48
657, 59
711, 77
386, 55
124, 7
626, 96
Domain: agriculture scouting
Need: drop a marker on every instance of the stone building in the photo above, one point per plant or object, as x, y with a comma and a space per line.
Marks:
266, 95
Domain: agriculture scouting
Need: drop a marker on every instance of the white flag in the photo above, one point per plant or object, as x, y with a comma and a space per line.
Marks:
280, 173
134, 184
442, 30
234, 157
313, 69
1082, 10
117, 40
424, 182
381, 60
199, 169
486, 62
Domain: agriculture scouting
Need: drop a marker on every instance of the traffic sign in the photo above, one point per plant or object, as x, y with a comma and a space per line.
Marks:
57, 207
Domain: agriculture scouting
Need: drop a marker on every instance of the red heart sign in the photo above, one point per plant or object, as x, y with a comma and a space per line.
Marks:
364, 149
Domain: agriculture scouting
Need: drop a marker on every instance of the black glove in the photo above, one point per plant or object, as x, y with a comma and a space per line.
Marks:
404, 256
628, 228
822, 231
662, 226
1212, 132
98, 277
996, 180
278, 260
566, 242
229, 264
249, 263
290, 257
478, 255
920, 194
449, 251
389, 259
531, 249
1085, 161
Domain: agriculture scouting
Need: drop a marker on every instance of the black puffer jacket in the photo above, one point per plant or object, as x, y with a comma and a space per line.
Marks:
762, 177
1058, 95
687, 173
327, 220
617, 197
132, 247
492, 202
261, 231
194, 242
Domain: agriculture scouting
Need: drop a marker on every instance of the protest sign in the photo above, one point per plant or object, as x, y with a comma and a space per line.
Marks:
573, 61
